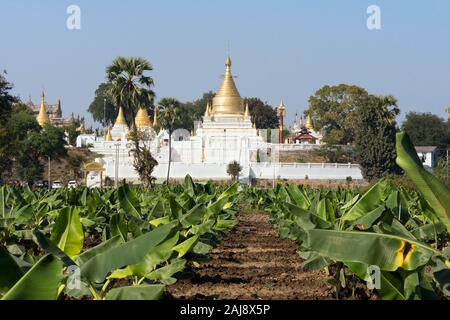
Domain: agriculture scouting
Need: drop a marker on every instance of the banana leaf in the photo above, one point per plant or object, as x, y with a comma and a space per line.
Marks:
434, 191
131, 252
10, 271
388, 252
41, 282
143, 292
67, 232
371, 200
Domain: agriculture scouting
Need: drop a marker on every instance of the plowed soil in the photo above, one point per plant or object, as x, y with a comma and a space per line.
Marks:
253, 262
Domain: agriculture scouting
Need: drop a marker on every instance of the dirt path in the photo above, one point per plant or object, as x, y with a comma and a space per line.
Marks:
253, 262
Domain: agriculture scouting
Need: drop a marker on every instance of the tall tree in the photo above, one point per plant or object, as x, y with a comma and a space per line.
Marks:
334, 110
102, 108
263, 115
35, 148
6, 103
375, 130
426, 129
130, 86
169, 115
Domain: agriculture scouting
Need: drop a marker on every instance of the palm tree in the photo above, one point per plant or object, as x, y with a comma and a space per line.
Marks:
168, 111
130, 86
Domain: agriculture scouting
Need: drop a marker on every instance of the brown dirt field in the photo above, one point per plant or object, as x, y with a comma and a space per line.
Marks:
253, 262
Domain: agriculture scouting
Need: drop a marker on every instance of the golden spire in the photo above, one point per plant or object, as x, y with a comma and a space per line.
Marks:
120, 118
155, 118
108, 136
247, 112
42, 117
142, 120
228, 99
281, 108
207, 114
309, 123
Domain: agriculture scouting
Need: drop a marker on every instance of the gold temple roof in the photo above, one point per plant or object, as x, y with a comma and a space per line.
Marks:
228, 100
120, 118
42, 117
142, 120
309, 123
108, 136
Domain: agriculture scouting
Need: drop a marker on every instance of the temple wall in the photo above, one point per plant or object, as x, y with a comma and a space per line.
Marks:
314, 171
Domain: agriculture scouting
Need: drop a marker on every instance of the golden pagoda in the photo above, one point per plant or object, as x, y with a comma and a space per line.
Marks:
309, 123
142, 120
42, 117
155, 118
227, 101
108, 136
120, 118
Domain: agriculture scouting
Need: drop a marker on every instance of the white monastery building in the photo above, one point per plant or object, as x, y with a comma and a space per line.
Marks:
226, 133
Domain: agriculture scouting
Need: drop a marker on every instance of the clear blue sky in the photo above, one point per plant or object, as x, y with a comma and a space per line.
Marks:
280, 49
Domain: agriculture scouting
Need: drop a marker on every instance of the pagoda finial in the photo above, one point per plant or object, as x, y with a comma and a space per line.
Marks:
247, 112
120, 118
309, 123
42, 117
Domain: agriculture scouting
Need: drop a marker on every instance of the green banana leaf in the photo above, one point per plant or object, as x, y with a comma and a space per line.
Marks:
388, 252
118, 226
128, 201
165, 273
371, 200
131, 252
102, 247
10, 271
67, 232
143, 292
185, 246
41, 282
434, 191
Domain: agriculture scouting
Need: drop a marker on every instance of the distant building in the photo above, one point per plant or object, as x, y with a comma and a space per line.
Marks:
52, 114
428, 155
305, 133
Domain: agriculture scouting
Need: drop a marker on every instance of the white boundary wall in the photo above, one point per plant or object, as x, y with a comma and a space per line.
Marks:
315, 171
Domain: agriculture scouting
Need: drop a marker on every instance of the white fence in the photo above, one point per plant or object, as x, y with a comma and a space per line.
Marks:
315, 171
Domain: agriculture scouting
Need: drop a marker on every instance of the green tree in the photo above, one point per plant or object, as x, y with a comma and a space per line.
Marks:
193, 111
130, 85
169, 115
375, 131
233, 169
6, 103
334, 110
144, 164
102, 108
426, 129
263, 115
336, 154
33, 150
